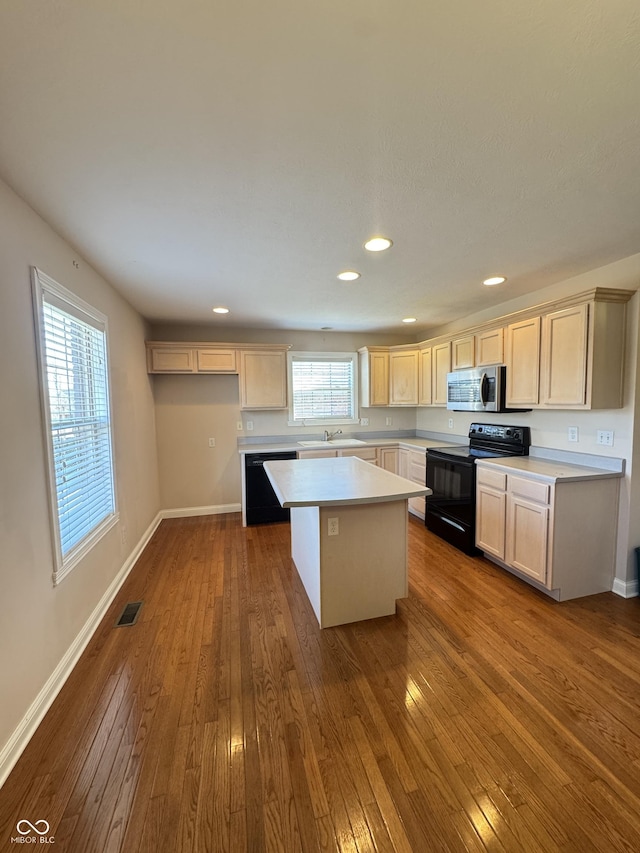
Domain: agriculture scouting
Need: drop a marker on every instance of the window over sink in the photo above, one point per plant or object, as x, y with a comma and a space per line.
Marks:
323, 388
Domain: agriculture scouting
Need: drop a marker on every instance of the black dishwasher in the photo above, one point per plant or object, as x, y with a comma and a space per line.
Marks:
261, 503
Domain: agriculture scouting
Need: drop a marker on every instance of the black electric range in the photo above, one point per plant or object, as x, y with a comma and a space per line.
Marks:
451, 475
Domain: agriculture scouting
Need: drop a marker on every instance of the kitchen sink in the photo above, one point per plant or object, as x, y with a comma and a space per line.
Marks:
334, 442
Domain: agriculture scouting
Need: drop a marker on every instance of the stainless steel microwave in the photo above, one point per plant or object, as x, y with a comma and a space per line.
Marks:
479, 390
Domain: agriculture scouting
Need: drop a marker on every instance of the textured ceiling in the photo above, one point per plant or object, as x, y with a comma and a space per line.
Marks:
239, 153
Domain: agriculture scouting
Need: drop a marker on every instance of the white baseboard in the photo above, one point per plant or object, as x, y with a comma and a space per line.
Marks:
627, 589
13, 749
186, 511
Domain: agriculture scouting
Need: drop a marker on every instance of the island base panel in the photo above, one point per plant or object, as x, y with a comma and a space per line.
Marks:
359, 573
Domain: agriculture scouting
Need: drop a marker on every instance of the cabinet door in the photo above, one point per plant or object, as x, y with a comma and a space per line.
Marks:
170, 360
463, 353
523, 362
564, 357
216, 360
527, 535
491, 511
490, 347
263, 379
368, 454
388, 459
441, 365
403, 463
403, 378
424, 377
374, 378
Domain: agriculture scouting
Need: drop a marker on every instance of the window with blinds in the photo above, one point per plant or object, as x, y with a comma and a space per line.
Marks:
75, 396
323, 387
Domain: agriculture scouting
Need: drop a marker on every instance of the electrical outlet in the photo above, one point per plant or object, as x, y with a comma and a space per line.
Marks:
572, 434
605, 437
239, 425
333, 527
450, 423
249, 425
212, 442
364, 421
388, 421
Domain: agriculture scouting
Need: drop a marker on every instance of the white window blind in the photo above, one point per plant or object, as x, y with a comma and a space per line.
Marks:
322, 388
75, 386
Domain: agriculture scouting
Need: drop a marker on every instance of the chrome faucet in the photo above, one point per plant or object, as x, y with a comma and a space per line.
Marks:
329, 435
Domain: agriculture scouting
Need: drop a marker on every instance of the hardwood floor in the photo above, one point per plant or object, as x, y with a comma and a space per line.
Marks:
483, 716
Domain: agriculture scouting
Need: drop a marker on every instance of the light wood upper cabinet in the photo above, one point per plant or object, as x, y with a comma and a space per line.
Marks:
564, 357
440, 366
374, 376
166, 358
216, 360
425, 379
490, 347
463, 352
263, 379
583, 356
403, 377
522, 358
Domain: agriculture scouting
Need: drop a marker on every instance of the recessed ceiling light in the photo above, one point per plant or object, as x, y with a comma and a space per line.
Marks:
220, 310
409, 320
496, 279
378, 244
348, 275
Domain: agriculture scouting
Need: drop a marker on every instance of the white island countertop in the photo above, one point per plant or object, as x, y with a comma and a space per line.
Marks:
338, 481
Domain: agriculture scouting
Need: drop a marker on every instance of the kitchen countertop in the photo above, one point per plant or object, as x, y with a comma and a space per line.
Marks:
548, 469
338, 481
404, 443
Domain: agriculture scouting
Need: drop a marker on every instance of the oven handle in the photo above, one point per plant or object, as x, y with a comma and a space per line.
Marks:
452, 523
484, 389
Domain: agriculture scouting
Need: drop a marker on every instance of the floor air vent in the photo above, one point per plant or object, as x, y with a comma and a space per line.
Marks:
129, 615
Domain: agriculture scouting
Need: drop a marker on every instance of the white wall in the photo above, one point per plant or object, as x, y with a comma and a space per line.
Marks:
192, 409
39, 622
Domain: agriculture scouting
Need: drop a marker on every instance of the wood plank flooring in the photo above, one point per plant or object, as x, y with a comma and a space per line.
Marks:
483, 716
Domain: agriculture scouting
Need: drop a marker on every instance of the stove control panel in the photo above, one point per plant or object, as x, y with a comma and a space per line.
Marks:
497, 432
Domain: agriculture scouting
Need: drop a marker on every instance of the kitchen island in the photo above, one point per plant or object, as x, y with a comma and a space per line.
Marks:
348, 534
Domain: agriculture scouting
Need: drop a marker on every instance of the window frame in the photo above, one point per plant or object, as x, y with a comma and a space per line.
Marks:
323, 356
43, 285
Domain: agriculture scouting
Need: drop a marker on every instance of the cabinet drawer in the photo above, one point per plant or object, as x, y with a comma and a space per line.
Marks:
494, 479
531, 489
317, 454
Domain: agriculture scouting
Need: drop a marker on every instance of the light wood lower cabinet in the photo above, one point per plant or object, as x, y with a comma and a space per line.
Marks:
369, 454
317, 454
412, 465
560, 535
388, 459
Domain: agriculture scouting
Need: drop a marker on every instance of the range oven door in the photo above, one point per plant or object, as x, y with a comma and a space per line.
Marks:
451, 509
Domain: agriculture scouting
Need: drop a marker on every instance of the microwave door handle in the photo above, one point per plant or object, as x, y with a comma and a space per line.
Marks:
484, 389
